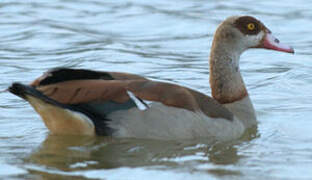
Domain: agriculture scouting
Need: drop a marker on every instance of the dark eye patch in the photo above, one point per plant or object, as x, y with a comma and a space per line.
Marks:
243, 22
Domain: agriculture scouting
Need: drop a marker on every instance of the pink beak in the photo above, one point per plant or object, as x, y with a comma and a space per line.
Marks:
271, 42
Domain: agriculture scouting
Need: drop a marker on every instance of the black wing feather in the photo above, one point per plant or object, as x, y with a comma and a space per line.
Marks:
65, 74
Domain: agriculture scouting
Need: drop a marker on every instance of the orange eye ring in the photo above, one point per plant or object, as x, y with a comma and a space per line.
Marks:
251, 26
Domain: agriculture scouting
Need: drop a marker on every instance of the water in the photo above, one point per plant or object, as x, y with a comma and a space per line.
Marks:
168, 41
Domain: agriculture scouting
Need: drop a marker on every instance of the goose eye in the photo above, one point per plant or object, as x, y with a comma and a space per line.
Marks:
251, 26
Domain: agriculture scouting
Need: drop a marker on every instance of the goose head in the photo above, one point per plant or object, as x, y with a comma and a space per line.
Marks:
239, 33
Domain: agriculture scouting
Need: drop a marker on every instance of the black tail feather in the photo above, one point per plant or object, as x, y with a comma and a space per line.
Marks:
17, 89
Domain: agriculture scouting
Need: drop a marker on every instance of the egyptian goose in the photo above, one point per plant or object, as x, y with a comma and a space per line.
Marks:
85, 102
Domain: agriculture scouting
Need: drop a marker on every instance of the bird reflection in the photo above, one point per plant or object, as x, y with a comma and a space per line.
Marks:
76, 153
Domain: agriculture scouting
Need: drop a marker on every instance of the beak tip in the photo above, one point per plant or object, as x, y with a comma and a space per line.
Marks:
270, 42
291, 50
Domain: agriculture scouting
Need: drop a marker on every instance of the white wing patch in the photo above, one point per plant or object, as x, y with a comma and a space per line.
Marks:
141, 106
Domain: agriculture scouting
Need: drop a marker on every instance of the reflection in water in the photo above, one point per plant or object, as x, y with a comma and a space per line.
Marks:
55, 149
74, 154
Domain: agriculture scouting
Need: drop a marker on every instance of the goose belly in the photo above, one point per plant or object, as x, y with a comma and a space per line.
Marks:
164, 122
